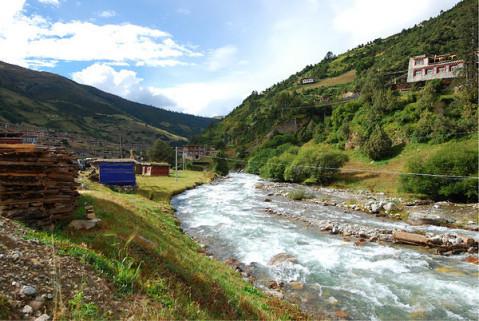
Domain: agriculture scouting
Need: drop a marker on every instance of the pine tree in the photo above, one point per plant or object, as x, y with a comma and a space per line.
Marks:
378, 145
221, 167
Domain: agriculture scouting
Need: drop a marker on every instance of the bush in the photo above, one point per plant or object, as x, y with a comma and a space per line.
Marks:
311, 165
378, 144
447, 161
221, 166
275, 167
262, 157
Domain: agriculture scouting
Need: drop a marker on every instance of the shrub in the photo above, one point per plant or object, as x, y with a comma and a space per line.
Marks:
311, 165
221, 166
262, 157
378, 144
275, 167
446, 161
300, 194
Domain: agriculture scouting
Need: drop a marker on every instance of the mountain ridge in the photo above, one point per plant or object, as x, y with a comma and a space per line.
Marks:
49, 100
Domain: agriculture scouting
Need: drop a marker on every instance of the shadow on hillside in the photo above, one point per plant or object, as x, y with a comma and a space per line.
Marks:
395, 151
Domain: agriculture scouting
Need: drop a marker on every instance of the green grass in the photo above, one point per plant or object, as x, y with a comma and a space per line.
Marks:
140, 247
389, 183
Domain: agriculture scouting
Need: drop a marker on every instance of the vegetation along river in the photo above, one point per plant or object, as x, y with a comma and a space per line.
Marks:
372, 281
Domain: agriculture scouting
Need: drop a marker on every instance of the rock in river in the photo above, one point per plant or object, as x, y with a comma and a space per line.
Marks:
421, 218
282, 258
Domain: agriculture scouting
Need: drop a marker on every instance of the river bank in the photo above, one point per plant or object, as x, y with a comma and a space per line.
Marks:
289, 257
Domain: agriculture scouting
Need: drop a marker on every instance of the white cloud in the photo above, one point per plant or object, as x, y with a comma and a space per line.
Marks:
107, 14
36, 63
123, 83
222, 58
366, 20
209, 99
183, 11
53, 2
33, 37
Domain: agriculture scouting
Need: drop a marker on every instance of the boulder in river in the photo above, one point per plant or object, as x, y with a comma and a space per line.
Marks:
282, 258
422, 218
390, 207
296, 285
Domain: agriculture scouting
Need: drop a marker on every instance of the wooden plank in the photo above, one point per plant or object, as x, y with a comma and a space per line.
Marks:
410, 238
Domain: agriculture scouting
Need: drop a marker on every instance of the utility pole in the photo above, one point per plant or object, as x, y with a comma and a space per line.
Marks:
176, 164
183, 157
121, 148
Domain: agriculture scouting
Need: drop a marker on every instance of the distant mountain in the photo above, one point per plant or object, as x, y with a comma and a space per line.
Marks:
48, 100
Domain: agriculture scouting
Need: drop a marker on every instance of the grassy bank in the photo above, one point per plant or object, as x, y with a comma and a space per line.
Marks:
384, 182
160, 272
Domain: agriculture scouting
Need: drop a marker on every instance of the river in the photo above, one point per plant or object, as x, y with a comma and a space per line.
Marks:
373, 281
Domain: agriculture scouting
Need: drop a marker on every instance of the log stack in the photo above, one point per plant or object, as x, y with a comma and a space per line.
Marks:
37, 184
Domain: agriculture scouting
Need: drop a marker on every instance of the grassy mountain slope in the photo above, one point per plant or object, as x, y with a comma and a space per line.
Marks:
354, 95
49, 100
260, 114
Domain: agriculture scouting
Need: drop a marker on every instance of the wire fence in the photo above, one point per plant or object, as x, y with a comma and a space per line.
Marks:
455, 177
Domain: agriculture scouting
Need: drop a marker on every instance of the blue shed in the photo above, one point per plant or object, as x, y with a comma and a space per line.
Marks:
117, 171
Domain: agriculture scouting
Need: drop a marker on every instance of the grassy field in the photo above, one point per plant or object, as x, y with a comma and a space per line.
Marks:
161, 272
389, 183
342, 79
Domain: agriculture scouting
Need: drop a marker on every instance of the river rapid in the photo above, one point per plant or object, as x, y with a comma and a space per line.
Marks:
373, 281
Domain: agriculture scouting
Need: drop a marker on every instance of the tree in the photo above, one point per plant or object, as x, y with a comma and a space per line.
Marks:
161, 152
312, 165
378, 145
221, 167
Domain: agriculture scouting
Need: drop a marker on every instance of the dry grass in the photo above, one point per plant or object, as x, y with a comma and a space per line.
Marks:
342, 79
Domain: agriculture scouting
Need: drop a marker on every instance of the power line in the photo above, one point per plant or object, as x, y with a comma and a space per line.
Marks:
350, 170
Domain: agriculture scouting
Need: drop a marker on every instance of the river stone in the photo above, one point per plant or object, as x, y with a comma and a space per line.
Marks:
296, 286
43, 317
84, 224
376, 207
28, 290
421, 218
36, 305
27, 309
282, 258
390, 207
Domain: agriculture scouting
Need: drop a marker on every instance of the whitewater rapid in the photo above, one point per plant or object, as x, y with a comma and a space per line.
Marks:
373, 281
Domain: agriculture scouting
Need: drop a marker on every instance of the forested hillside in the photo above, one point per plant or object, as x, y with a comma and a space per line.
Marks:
48, 100
354, 105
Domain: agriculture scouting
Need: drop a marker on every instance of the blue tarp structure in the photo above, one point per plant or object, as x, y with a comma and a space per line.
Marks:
117, 173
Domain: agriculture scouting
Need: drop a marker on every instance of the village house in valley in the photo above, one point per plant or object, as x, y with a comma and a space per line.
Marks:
196, 151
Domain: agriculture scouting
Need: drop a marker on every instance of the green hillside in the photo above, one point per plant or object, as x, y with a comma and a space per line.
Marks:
51, 101
356, 94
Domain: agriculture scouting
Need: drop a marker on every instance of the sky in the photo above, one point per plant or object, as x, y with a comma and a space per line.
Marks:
201, 57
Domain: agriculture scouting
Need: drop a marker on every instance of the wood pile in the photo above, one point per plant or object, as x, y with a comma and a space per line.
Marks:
37, 184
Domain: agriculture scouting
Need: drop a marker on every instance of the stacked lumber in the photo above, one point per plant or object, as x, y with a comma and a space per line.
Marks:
37, 184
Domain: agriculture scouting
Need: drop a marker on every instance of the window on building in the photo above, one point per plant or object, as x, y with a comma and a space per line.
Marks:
429, 71
417, 73
441, 69
453, 68
419, 62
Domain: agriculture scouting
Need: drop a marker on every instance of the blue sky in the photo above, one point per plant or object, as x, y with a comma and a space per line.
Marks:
201, 57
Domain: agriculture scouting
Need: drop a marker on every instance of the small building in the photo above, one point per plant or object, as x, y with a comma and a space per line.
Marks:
306, 81
423, 67
117, 171
196, 151
11, 138
156, 169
